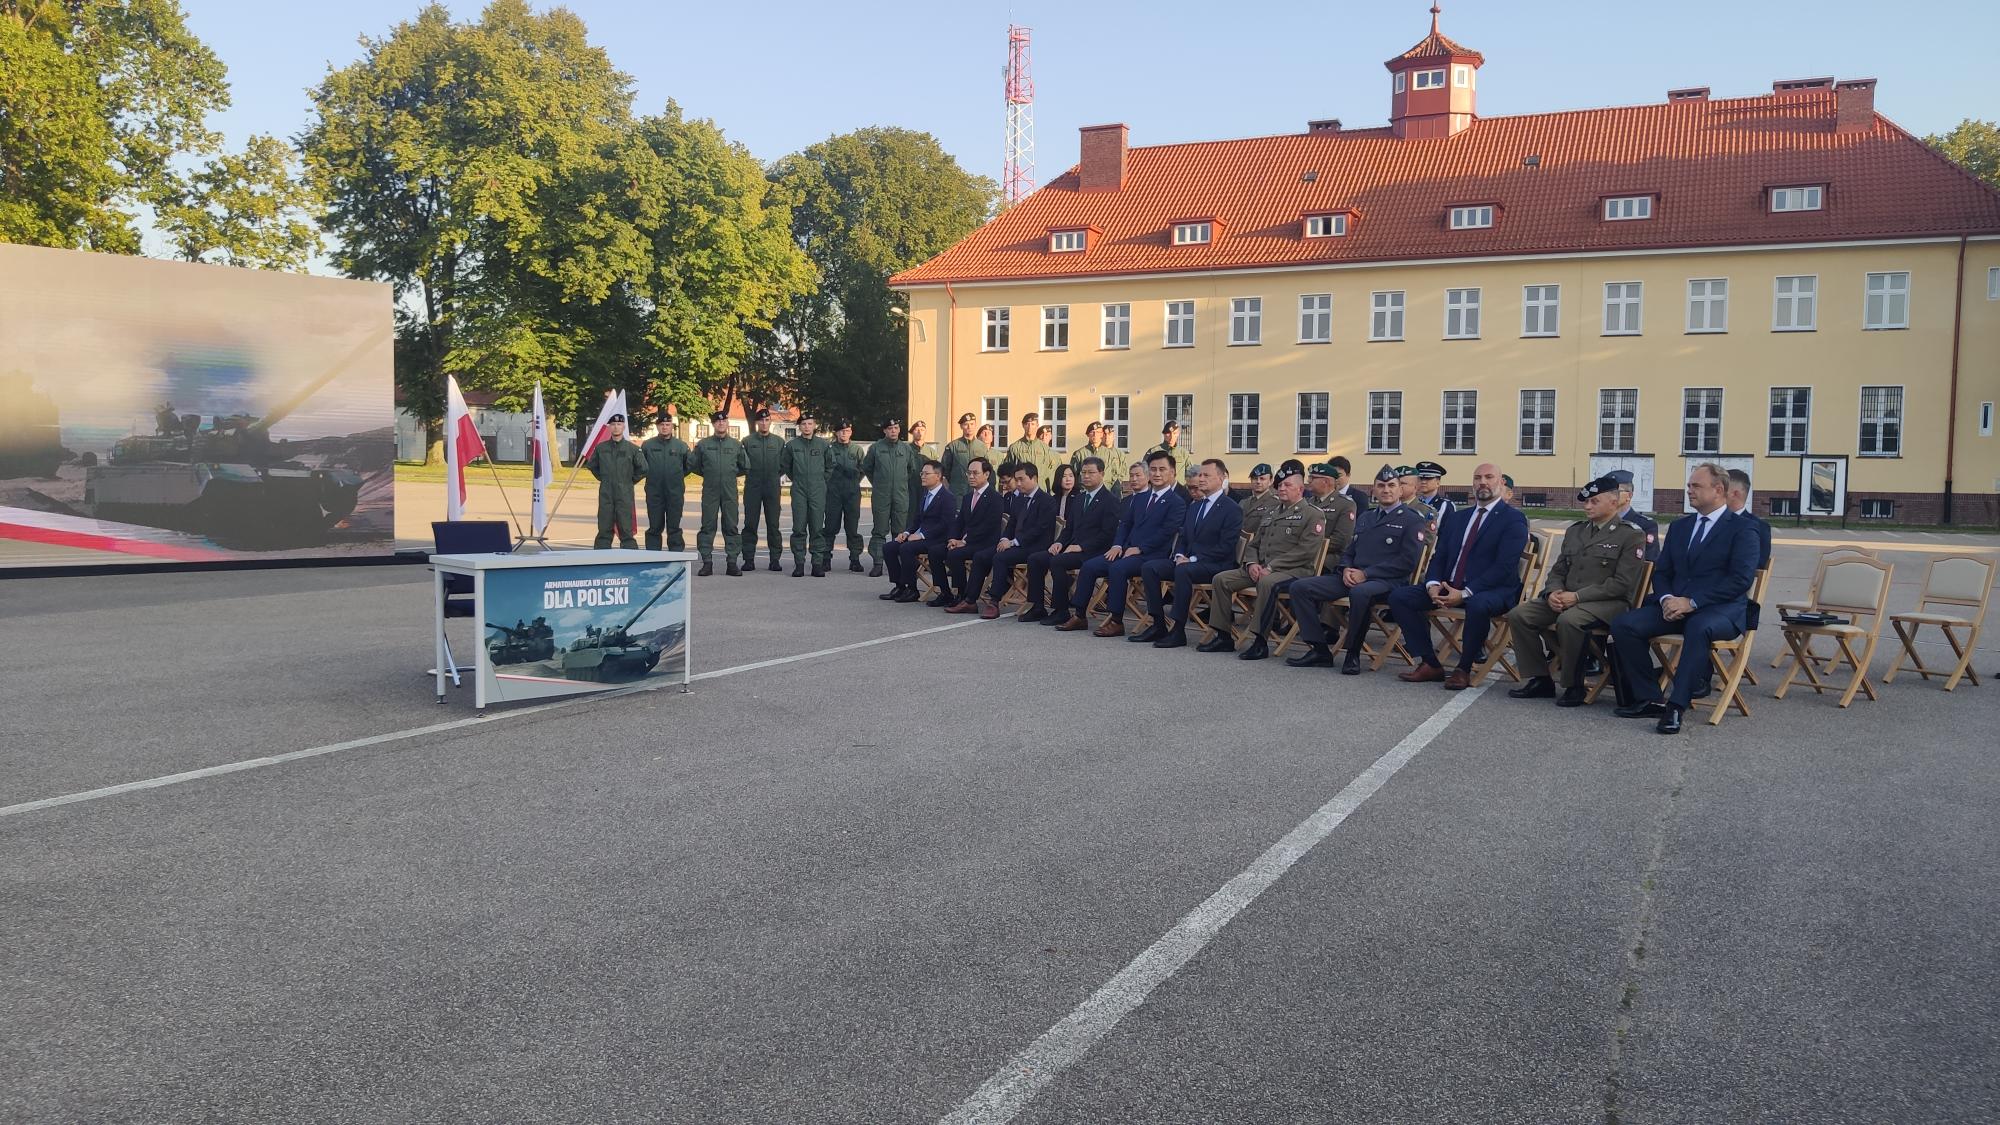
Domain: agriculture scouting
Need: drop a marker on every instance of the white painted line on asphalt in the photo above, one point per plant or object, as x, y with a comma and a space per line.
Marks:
438, 728
1006, 1093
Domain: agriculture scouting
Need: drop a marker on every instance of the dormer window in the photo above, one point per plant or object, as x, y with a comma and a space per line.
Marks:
1461, 76
1326, 226
1428, 79
1399, 81
1194, 233
1806, 197
1472, 218
1622, 208
1063, 241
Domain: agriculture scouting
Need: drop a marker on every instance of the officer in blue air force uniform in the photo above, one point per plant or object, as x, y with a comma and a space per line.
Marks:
1628, 514
1388, 540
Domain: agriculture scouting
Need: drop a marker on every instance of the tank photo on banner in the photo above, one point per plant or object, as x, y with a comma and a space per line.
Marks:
155, 411
554, 633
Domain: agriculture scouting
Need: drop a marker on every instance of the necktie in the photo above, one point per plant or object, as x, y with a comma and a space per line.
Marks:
1465, 548
1700, 530
975, 500
1205, 506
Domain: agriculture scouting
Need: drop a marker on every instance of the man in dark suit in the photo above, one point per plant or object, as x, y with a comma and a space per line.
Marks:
976, 529
1343, 483
1209, 536
1028, 523
1739, 503
1701, 590
1147, 525
931, 519
1089, 523
1476, 568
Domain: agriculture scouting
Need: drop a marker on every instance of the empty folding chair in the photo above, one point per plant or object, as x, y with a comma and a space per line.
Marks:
1963, 583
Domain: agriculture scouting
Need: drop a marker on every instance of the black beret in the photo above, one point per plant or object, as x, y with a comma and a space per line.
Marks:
1289, 470
763, 414
616, 418
1598, 487
719, 416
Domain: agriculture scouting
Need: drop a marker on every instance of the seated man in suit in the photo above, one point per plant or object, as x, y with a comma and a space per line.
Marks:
1701, 590
1739, 503
931, 520
1147, 526
1089, 523
976, 529
1388, 540
1477, 568
1027, 524
1209, 535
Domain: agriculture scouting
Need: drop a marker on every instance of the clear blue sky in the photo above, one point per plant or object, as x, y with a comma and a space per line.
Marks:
780, 75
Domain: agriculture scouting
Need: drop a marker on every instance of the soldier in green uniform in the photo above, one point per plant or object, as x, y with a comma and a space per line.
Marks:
1257, 505
887, 467
718, 460
618, 466
668, 462
1591, 582
761, 490
1030, 449
1409, 487
1170, 441
958, 453
1285, 546
843, 493
1092, 435
1340, 511
804, 460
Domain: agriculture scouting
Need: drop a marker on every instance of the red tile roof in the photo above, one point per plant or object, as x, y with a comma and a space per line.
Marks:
1436, 45
1708, 163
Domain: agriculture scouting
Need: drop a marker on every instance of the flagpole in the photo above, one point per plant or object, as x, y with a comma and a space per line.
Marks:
511, 517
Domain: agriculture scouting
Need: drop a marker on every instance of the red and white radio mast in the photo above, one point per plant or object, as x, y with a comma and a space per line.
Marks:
1020, 174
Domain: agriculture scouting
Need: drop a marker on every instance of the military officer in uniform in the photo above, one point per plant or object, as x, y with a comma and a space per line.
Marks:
1407, 490
1259, 503
959, 452
1340, 511
1388, 540
1107, 451
1030, 449
669, 460
887, 467
618, 466
922, 449
1283, 550
1093, 434
1170, 442
1590, 583
1430, 485
804, 460
1634, 516
761, 492
843, 493
718, 460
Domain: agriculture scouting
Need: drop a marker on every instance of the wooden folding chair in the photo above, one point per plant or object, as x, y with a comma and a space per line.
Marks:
1135, 595
1831, 554
1963, 581
1729, 659
1199, 597
1603, 633
1017, 590
1450, 621
1855, 586
1380, 621
1283, 622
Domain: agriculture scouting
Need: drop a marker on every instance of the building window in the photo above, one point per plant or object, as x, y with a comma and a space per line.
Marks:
1055, 328
1116, 413
1243, 410
1385, 421
1618, 420
1784, 505
1461, 76
1876, 508
1055, 413
1701, 420
1626, 207
998, 322
1794, 308
1385, 320
1993, 284
1461, 421
1315, 407
1180, 408
1118, 326
1541, 310
1796, 198
993, 411
1461, 314
1985, 419
1708, 305
1428, 79
1881, 421
1065, 240
1246, 320
1316, 318
1399, 81
1621, 308
1192, 234
1791, 421
1180, 324
1538, 422
1326, 226
1469, 218
1888, 303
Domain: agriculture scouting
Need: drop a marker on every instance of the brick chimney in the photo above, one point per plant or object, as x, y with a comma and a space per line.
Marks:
1854, 106
1102, 167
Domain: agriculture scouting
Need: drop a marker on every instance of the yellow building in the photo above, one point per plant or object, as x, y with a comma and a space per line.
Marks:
1788, 283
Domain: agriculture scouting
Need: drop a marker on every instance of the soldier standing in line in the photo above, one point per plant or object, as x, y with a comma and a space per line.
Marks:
843, 493
1590, 583
1283, 549
804, 460
618, 466
1030, 449
887, 466
1170, 441
719, 459
761, 489
959, 452
1092, 436
668, 462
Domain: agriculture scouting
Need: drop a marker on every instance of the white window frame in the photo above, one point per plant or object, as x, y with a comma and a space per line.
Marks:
1187, 319
1199, 233
1246, 322
1458, 433
1386, 308
1378, 428
1115, 411
1399, 82
1246, 421
1461, 76
1993, 283
1332, 224
1901, 420
1788, 419
1055, 414
1869, 293
1545, 299
1800, 197
1630, 295
1055, 328
1628, 208
1114, 327
999, 329
1543, 428
1464, 303
1618, 421
1472, 216
993, 410
1985, 419
1702, 421
1067, 241
1315, 318
1782, 300
1709, 300
1313, 412
1432, 79
1185, 417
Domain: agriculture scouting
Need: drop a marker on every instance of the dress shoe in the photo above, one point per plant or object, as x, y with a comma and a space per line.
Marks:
942, 601
734, 571
775, 565
1702, 690
1670, 722
1221, 642
1175, 639
707, 568
1315, 656
799, 570
1351, 666
1058, 619
1258, 650
989, 612
1147, 635
1574, 696
1649, 709
874, 571
1537, 687
1033, 613
1112, 627
854, 565
895, 592
909, 595
1422, 674
1073, 624
1458, 680
962, 607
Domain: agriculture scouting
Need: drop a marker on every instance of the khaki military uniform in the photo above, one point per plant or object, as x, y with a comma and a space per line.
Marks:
1287, 542
1340, 516
1255, 507
1033, 451
1601, 564
618, 467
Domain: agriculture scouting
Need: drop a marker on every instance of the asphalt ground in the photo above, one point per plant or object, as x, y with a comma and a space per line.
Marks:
851, 887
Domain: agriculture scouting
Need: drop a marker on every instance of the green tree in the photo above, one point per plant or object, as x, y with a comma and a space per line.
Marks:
1973, 146
243, 209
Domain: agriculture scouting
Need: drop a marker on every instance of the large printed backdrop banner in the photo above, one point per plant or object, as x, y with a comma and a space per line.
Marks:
557, 632
157, 411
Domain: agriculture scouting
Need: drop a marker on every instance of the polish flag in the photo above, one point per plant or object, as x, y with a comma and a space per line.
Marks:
541, 454
614, 403
462, 446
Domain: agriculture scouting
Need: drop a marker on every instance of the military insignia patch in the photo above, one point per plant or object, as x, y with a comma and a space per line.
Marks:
1319, 529
1649, 538
1420, 536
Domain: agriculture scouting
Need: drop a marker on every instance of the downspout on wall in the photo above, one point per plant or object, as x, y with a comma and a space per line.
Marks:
1951, 410
951, 362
